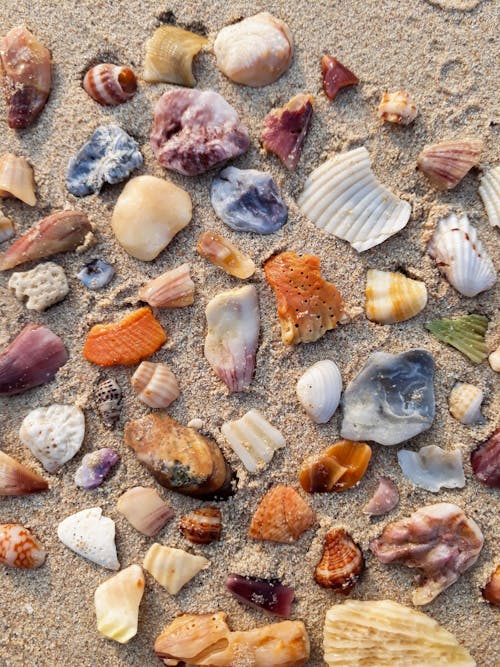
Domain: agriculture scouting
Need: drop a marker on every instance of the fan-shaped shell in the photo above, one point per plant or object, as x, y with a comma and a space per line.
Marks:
144, 508
172, 289
282, 516
465, 403
17, 179
173, 568
341, 562
490, 194
169, 55
155, 384
392, 297
319, 389
110, 85
446, 163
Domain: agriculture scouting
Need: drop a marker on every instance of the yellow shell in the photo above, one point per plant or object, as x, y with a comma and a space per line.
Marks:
117, 603
16, 179
173, 568
392, 297
225, 255
169, 55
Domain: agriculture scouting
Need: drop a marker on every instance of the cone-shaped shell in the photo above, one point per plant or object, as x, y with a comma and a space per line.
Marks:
17, 480
465, 403
392, 297
145, 510
117, 603
173, 568
282, 516
225, 255
341, 563
172, 289
319, 389
17, 179
6, 228
19, 547
110, 85
490, 194
466, 334
108, 401
155, 384
169, 55
446, 163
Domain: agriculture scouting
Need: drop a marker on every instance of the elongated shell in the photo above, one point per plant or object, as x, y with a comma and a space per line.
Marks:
341, 562
19, 548
117, 603
490, 194
465, 403
466, 334
155, 384
202, 526
225, 255
397, 108
145, 510
91, 535
108, 401
169, 55
173, 289
344, 198
110, 85
17, 179
446, 163
432, 468
17, 480
173, 568
392, 297
319, 389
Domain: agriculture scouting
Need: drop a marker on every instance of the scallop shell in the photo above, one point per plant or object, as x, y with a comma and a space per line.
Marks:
344, 198
202, 526
336, 468
466, 334
253, 439
341, 563
225, 255
173, 568
169, 56
397, 108
110, 85
282, 516
17, 480
6, 228
17, 179
172, 289
42, 287
319, 390
108, 400
489, 190
460, 256
19, 548
117, 603
392, 297
432, 468
255, 51
465, 403
155, 384
446, 163
145, 510
91, 535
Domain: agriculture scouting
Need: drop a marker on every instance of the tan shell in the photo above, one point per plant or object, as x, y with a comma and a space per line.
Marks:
392, 297
282, 516
145, 510
446, 163
397, 108
155, 384
117, 603
169, 55
42, 287
202, 526
6, 228
465, 403
16, 479
173, 568
173, 289
341, 563
17, 179
225, 255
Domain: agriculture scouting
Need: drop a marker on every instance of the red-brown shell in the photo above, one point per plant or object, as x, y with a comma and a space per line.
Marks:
341, 563
285, 129
202, 526
110, 85
282, 516
335, 76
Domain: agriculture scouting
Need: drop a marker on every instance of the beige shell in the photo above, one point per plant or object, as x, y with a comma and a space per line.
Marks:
145, 510
489, 191
43, 286
202, 525
465, 403
446, 163
6, 228
225, 255
173, 568
18, 480
397, 108
169, 55
172, 289
16, 179
392, 297
117, 603
155, 384
494, 360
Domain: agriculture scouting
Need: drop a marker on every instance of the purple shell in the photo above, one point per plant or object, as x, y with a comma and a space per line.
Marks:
384, 499
95, 467
485, 461
265, 594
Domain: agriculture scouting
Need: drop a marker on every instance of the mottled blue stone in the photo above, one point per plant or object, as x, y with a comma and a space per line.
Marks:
95, 467
96, 274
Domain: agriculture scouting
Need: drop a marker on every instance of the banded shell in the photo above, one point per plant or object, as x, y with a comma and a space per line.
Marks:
432, 468
155, 384
385, 498
319, 390
344, 198
42, 287
95, 467
268, 595
6, 228
466, 334
485, 461
397, 107
117, 603
338, 467
335, 76
225, 255
17, 179
18, 480
96, 274
489, 191
282, 516
392, 297
465, 403
446, 163
145, 510
253, 439
110, 85
491, 592
108, 401
341, 563
91, 535
172, 289
285, 129
169, 56
255, 51
202, 526
460, 256
173, 568
19, 547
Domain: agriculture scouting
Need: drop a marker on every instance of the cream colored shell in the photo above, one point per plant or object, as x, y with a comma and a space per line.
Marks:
43, 286
494, 360
91, 535
144, 508
16, 179
172, 289
489, 190
169, 55
173, 568
397, 108
6, 228
155, 384
392, 297
117, 603
465, 403
319, 389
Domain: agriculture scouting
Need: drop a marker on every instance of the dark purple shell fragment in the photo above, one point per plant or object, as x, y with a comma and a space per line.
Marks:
95, 467
266, 594
286, 129
485, 461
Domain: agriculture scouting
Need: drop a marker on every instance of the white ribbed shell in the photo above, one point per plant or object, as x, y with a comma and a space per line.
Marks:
253, 439
319, 389
490, 194
465, 403
155, 384
172, 568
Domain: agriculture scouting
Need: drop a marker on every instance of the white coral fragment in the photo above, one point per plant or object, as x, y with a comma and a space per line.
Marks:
253, 439
43, 286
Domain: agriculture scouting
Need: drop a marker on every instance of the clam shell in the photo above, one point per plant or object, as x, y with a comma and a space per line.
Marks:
466, 334
319, 390
392, 297
17, 480
6, 228
446, 163
108, 401
19, 548
336, 468
489, 190
117, 603
282, 516
432, 468
155, 384
169, 55
91, 535
344, 198
465, 403
225, 255
341, 563
397, 108
17, 179
110, 85
173, 568
202, 526
145, 510
172, 289
42, 287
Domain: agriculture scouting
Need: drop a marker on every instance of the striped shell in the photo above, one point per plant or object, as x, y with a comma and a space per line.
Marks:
466, 334
341, 563
490, 194
446, 163
155, 384
344, 198
169, 55
465, 403
145, 509
173, 568
108, 401
319, 389
19, 548
117, 603
172, 289
18, 480
110, 85
202, 526
17, 179
397, 108
225, 255
392, 297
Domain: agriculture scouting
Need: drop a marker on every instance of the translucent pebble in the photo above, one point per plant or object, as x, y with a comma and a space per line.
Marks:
95, 467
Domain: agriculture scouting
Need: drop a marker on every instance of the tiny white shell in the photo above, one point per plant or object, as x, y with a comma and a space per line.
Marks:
490, 194
173, 568
43, 286
319, 389
117, 603
91, 535
432, 468
465, 403
155, 384
397, 107
494, 360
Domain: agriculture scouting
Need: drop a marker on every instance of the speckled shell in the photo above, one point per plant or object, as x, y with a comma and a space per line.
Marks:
202, 525
446, 163
489, 190
341, 563
110, 85
225, 255
17, 179
173, 568
319, 390
117, 603
155, 384
19, 548
392, 297
432, 468
397, 108
108, 401
172, 289
465, 403
145, 510
253, 439
169, 55
91, 535
42, 287
18, 480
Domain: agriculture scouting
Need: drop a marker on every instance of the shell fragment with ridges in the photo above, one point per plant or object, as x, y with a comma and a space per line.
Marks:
17, 179
19, 547
145, 510
341, 563
42, 287
319, 389
18, 480
172, 289
465, 403
489, 190
433, 468
117, 603
110, 85
281, 516
155, 384
202, 525
91, 535
446, 163
392, 297
169, 56
466, 334
173, 568
224, 254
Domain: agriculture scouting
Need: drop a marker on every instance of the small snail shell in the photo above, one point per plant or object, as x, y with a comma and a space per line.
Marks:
110, 85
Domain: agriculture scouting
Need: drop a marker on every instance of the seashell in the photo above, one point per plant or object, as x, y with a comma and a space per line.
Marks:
439, 540
446, 163
225, 255
248, 200
335, 76
95, 467
33, 358
196, 423
96, 274
91, 535
18, 480
253, 439
308, 305
202, 526
43, 286
465, 403
155, 384
194, 130
53, 434
466, 334
59, 232
173, 568
432, 468
169, 56
319, 389
108, 400
491, 591
343, 197
397, 107
134, 337
384, 499
179, 457
282, 516
205, 639
109, 156
341, 563
392, 297
17, 179
6, 228
25, 66
145, 510
378, 633
117, 602
110, 85
148, 214
391, 400
20, 548
172, 289
255, 51
336, 468
233, 321
489, 190
494, 360
285, 129
485, 461
268, 595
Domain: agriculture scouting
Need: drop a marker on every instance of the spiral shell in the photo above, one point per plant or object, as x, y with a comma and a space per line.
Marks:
341, 563
172, 289
155, 384
392, 297
19, 548
202, 526
108, 399
397, 108
18, 480
169, 55
173, 568
446, 163
17, 179
319, 389
465, 403
110, 85
117, 603
490, 194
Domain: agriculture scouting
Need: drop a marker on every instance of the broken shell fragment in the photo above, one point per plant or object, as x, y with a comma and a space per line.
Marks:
108, 401
18, 480
392, 297
494, 360
91, 535
491, 592
433, 468
465, 403
145, 510
6, 228
446, 163
17, 179
489, 191
338, 467
225, 255
117, 603
397, 108
282, 516
335, 76
285, 129
110, 85
202, 526
319, 389
155, 384
466, 334
385, 498
19, 547
96, 274
42, 287
172, 289
341, 563
95, 467
169, 56
485, 461
268, 595
173, 568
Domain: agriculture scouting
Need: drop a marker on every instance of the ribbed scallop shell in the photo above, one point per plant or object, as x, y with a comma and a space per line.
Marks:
169, 55
392, 297
341, 563
465, 403
282, 516
6, 228
110, 85
17, 179
446, 163
172, 289
344, 198
397, 108
155, 384
117, 603
319, 389
490, 194
225, 255
460, 256
145, 510
202, 526
18, 480
173, 568
19, 548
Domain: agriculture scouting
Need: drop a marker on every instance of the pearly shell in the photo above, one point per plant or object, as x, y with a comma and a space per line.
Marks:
397, 108
485, 461
202, 526
465, 403
91, 535
172, 289
18, 480
117, 603
110, 85
281, 516
466, 334
108, 401
173, 568
446, 163
225, 255
489, 191
96, 274
6, 228
169, 55
432, 468
17, 179
145, 510
95, 467
43, 286
392, 297
319, 390
344, 198
19, 548
155, 384
341, 563
285, 129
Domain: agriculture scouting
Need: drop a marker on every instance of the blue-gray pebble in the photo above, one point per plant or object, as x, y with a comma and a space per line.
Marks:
96, 274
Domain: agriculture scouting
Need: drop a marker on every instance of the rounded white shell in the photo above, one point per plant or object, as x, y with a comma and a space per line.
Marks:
490, 194
494, 360
91, 535
319, 389
465, 403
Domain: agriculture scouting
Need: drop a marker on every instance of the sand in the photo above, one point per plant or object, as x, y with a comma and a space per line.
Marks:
445, 57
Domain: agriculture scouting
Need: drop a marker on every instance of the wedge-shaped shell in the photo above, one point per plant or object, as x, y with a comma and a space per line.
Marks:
432, 468
155, 384
446, 163
460, 256
134, 337
489, 190
173, 289
202, 526
253, 439
169, 55
225, 255
285, 129
308, 305
17, 480
91, 535
117, 603
385, 498
6, 228
485, 461
383, 633
42, 287
17, 179
110, 85
335, 76
336, 468
397, 108
268, 595
341, 563
466, 334
145, 510
19, 547
173, 568
233, 321
319, 389
465, 403
282, 516
343, 197
392, 297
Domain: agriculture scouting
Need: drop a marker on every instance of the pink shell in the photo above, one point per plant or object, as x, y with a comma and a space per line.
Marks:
109, 84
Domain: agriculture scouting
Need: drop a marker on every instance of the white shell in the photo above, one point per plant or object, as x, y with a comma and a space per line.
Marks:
432, 468
253, 439
91, 535
392, 297
155, 384
54, 434
343, 197
397, 107
43, 286
173, 568
319, 389
117, 603
461, 257
490, 194
465, 403
494, 360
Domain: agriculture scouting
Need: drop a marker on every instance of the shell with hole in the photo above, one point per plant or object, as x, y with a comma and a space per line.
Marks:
117, 603
169, 56
465, 403
41, 287
155, 384
392, 297
173, 568
489, 191
172, 289
446, 163
110, 85
319, 389
17, 179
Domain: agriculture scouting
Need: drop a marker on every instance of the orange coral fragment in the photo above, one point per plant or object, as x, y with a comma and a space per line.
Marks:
338, 467
282, 516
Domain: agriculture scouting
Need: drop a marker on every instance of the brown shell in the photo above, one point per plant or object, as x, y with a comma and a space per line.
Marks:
341, 563
491, 591
202, 526
17, 480
285, 129
338, 467
282, 516
335, 76
110, 85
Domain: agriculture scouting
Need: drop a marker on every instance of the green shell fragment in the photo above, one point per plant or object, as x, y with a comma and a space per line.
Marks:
466, 334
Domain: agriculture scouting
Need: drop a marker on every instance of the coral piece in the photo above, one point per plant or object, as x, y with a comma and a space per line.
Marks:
385, 498
466, 334
319, 389
20, 548
491, 592
6, 228
117, 603
268, 595
145, 510
42, 287
18, 480
446, 163
397, 108
335, 76
341, 563
172, 289
432, 468
91, 535
108, 401
485, 461
282, 516
202, 526
17, 179
465, 403
285, 129
95, 467
225, 255
96, 274
489, 191
155, 384
110, 85
336, 468
169, 55
392, 297
173, 568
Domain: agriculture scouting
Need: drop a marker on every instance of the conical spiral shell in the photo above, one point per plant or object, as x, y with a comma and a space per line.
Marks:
155, 384
169, 56
16, 479
110, 85
392, 297
16, 179
490, 194
19, 547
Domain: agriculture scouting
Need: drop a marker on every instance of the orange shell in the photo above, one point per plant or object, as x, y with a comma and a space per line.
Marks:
308, 305
336, 468
282, 516
126, 342
341, 562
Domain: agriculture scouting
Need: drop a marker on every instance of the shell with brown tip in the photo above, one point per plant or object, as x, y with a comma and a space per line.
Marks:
17, 179
338, 467
155, 384
282, 516
341, 563
225, 255
446, 163
17, 480
169, 55
110, 85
